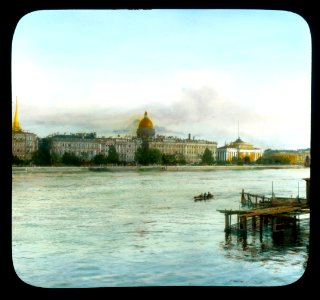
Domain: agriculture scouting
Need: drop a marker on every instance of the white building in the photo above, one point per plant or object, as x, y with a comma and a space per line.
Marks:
84, 145
126, 147
238, 149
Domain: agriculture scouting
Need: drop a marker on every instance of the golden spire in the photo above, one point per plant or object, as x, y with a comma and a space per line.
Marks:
16, 125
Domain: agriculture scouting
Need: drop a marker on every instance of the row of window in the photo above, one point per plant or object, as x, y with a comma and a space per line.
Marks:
22, 145
23, 138
78, 145
22, 150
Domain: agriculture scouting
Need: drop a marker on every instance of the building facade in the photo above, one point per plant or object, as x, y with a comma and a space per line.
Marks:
192, 150
238, 150
299, 157
126, 147
83, 145
24, 143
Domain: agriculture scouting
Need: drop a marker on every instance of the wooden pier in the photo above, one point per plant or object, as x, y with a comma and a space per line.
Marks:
254, 199
278, 212
279, 217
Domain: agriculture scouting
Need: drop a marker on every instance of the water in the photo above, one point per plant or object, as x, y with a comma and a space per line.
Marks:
77, 228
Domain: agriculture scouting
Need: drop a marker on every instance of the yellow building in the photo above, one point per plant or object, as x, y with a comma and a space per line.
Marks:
238, 149
191, 149
299, 157
23, 143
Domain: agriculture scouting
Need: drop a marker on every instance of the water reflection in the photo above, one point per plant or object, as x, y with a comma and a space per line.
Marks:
255, 244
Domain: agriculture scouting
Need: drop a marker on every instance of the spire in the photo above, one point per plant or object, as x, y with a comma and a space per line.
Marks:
16, 125
238, 130
145, 114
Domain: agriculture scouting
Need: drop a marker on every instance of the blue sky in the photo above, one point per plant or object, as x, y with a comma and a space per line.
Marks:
194, 71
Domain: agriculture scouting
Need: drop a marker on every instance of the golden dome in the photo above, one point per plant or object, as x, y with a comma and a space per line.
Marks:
146, 122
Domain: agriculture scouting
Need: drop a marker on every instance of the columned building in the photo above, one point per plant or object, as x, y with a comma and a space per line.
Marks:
238, 150
24, 143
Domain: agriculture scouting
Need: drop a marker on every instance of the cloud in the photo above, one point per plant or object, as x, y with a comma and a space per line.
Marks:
205, 104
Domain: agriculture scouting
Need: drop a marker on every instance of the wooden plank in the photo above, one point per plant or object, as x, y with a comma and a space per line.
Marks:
271, 211
233, 212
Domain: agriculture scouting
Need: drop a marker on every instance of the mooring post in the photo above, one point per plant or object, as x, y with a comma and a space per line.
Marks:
243, 200
294, 221
243, 223
254, 223
274, 224
226, 227
261, 227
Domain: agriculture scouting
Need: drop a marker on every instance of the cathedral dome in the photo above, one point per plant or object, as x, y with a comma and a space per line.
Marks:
145, 122
145, 129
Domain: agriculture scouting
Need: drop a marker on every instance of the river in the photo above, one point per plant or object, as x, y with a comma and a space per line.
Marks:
75, 228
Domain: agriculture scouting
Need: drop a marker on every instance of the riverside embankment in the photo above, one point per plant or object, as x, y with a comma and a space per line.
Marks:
149, 168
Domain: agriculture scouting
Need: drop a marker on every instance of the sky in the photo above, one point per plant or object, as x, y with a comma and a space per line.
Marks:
216, 74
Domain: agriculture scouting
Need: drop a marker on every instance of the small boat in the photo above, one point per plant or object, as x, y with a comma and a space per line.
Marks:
203, 197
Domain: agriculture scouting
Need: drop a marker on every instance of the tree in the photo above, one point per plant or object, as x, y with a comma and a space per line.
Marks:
113, 156
55, 158
168, 159
41, 157
154, 156
141, 156
207, 158
273, 159
70, 159
16, 160
180, 159
99, 159
237, 161
146, 156
307, 161
246, 160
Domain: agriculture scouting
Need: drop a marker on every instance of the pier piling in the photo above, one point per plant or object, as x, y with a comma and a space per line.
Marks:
278, 212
